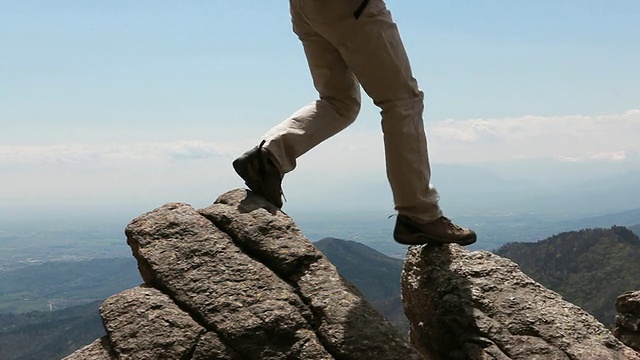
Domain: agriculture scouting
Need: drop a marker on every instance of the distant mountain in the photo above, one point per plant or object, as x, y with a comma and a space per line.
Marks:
376, 275
56, 285
635, 229
589, 268
621, 218
49, 334
540, 187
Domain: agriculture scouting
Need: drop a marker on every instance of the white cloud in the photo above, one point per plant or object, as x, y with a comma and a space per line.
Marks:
185, 170
563, 138
574, 138
577, 137
112, 155
603, 156
111, 173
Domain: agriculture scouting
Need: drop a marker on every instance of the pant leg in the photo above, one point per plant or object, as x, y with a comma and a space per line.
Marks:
337, 107
372, 48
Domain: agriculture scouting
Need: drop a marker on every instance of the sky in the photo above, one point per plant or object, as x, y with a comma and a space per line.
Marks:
122, 106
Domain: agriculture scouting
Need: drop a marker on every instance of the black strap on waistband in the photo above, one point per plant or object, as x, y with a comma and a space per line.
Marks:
360, 9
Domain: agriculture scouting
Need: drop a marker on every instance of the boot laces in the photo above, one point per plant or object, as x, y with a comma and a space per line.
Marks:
451, 224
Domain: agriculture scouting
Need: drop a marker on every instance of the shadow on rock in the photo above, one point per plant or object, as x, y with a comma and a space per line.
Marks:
477, 305
442, 320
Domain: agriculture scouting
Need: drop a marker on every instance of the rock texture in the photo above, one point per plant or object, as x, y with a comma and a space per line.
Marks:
97, 350
237, 280
477, 305
627, 322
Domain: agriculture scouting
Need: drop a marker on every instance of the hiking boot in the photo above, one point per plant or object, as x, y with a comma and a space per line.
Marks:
260, 174
440, 231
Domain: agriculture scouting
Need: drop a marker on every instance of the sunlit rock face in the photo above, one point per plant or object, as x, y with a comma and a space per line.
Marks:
477, 305
237, 280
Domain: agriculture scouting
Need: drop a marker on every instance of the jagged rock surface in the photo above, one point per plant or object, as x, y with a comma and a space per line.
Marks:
477, 305
627, 322
97, 350
237, 280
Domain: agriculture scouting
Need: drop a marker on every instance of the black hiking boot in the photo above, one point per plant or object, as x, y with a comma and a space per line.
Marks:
260, 174
438, 232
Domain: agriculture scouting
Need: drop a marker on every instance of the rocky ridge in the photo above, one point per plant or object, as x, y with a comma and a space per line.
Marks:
237, 280
477, 305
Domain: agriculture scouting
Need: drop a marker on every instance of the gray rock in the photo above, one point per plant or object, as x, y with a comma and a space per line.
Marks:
199, 266
238, 280
346, 324
629, 303
97, 350
211, 347
477, 305
627, 322
144, 323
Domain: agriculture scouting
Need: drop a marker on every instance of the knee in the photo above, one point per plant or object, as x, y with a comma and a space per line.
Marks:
352, 109
408, 107
347, 108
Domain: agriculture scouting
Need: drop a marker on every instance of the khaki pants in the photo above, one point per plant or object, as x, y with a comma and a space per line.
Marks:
344, 52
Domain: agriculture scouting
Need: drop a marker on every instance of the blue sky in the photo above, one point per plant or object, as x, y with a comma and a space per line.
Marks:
144, 102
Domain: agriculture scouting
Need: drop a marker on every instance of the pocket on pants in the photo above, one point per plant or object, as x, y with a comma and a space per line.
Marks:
339, 10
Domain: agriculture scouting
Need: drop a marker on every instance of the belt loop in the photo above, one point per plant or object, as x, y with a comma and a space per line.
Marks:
360, 9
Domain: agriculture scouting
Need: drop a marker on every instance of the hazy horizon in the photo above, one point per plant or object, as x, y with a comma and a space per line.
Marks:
112, 109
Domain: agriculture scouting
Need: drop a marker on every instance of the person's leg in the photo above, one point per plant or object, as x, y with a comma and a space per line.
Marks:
370, 45
373, 50
264, 166
337, 106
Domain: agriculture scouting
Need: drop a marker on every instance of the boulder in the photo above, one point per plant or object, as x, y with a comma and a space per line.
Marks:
238, 280
477, 305
627, 321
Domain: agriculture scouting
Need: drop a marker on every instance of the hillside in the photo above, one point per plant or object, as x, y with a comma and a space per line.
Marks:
589, 268
76, 289
635, 229
376, 275
49, 334
56, 285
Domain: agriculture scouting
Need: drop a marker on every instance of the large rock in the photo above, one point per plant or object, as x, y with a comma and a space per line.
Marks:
477, 305
237, 280
627, 322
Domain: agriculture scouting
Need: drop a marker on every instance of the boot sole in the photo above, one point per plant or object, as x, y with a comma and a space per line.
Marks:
423, 240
